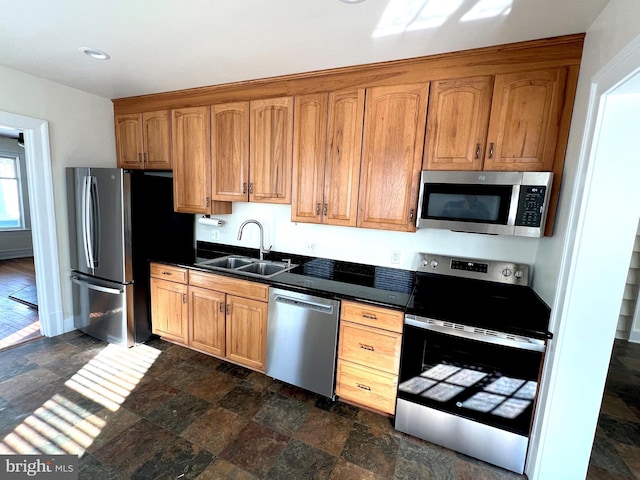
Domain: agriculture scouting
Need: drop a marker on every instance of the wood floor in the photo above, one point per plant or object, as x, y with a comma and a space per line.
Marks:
18, 322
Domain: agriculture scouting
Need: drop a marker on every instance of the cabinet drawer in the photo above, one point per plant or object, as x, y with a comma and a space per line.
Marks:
375, 348
372, 316
367, 387
168, 272
234, 286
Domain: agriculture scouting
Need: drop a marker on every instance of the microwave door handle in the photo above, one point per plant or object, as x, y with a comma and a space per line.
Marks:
513, 205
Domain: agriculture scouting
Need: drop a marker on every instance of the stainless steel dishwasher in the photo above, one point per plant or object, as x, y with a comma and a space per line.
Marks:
302, 339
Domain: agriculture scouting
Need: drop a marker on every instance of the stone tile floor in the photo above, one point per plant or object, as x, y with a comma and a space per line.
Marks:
163, 411
616, 448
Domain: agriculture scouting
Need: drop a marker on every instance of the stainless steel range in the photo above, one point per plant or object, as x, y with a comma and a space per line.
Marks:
473, 346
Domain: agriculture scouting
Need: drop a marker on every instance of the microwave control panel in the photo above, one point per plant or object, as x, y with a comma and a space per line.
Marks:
530, 206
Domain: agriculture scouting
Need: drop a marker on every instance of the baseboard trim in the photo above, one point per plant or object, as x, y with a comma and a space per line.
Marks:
20, 253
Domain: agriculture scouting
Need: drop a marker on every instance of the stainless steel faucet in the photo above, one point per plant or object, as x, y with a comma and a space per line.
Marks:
262, 249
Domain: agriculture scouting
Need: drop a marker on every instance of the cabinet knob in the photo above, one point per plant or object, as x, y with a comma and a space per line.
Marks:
139, 158
477, 151
221, 307
144, 157
324, 210
411, 214
206, 202
491, 145
184, 298
244, 187
250, 187
318, 209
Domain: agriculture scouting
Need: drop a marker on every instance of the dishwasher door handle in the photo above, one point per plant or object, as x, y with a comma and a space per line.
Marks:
318, 307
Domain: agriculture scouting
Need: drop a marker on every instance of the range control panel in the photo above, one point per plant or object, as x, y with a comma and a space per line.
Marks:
479, 269
530, 206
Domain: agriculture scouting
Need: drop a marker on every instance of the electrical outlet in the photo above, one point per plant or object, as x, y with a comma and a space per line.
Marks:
215, 234
309, 245
395, 257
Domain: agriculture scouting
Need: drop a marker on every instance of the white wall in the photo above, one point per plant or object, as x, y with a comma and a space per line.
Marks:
360, 245
81, 133
581, 270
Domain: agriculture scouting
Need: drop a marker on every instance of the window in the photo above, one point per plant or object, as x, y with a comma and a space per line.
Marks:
11, 210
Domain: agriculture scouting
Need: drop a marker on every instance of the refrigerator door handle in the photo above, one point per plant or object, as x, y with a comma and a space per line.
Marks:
86, 234
96, 235
98, 288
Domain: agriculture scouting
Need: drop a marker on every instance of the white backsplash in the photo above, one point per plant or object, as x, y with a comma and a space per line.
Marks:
361, 245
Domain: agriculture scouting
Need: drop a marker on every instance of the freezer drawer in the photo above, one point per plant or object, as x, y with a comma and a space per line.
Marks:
103, 309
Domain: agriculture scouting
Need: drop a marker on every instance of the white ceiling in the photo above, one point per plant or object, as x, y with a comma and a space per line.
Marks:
163, 45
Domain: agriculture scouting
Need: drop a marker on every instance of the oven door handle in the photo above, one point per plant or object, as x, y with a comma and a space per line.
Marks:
474, 333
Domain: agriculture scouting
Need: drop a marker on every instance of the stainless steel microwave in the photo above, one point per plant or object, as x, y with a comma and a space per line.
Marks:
500, 203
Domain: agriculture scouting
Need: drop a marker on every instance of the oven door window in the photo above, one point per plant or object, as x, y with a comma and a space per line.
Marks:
466, 203
488, 383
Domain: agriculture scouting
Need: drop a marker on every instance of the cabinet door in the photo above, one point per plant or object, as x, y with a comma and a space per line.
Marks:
129, 140
271, 150
309, 145
169, 310
247, 332
230, 151
457, 123
525, 116
207, 320
393, 139
156, 137
344, 146
191, 160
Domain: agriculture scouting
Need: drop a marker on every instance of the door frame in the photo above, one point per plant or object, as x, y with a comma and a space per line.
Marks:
43, 219
562, 437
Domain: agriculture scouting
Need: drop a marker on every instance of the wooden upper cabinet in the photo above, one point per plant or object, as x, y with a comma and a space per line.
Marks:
271, 150
344, 148
143, 140
457, 123
191, 160
392, 145
525, 117
309, 146
230, 151
156, 140
326, 157
129, 140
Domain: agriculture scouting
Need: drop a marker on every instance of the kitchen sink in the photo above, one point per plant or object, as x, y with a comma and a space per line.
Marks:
246, 266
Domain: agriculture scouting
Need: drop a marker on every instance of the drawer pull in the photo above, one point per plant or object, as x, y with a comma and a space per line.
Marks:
369, 316
366, 347
166, 273
363, 387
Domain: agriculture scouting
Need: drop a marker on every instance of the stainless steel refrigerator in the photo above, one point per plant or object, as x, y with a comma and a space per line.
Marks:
119, 221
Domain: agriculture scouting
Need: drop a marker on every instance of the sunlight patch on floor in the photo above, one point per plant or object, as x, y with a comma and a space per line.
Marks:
61, 426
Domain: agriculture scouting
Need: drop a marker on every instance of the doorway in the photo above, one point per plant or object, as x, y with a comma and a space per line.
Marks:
43, 219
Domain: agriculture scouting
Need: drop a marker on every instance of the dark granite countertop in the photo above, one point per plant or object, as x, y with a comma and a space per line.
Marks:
384, 286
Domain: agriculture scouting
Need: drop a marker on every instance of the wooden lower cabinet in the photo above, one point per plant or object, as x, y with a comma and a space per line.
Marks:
369, 356
247, 332
169, 310
214, 314
207, 320
367, 387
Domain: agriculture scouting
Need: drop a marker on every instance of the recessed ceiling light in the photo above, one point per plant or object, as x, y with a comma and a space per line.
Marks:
94, 53
352, 1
